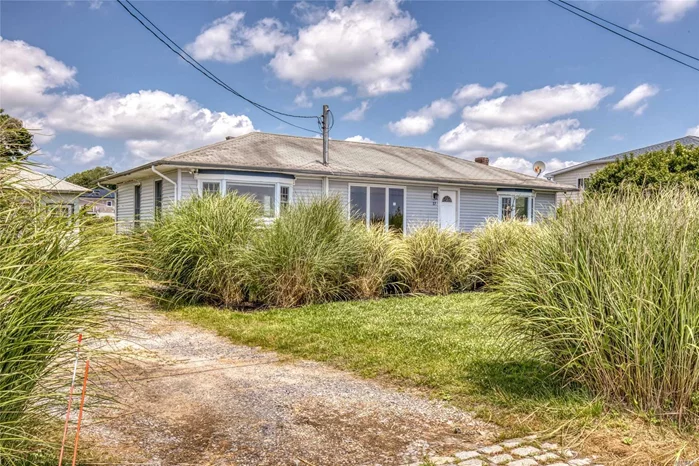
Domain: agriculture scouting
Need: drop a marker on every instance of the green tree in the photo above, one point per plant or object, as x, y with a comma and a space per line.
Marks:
677, 165
15, 140
88, 178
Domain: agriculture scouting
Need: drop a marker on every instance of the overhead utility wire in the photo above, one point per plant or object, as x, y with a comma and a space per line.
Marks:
260, 106
203, 70
625, 37
630, 31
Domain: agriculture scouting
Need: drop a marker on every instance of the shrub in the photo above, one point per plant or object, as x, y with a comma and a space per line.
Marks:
306, 256
493, 242
201, 248
673, 166
440, 261
381, 261
609, 290
57, 277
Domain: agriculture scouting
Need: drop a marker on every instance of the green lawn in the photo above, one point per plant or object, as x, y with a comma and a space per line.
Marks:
454, 346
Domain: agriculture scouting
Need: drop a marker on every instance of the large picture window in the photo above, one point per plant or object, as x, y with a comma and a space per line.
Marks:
264, 194
378, 205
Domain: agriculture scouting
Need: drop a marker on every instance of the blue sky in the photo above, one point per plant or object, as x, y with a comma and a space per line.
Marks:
516, 81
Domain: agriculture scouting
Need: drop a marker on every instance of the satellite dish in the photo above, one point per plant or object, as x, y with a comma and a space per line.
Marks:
539, 167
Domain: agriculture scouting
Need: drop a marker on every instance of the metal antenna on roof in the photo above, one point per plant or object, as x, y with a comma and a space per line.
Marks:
325, 128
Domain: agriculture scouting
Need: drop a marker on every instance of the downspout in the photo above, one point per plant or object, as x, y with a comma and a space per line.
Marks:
163, 177
326, 186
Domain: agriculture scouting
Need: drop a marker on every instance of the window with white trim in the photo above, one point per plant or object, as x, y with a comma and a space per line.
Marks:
378, 205
210, 187
582, 182
516, 206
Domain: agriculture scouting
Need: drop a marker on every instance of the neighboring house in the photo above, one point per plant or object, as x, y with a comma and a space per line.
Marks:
99, 202
577, 175
404, 187
55, 193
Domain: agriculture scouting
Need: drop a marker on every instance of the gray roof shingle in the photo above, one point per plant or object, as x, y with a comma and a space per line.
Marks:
302, 155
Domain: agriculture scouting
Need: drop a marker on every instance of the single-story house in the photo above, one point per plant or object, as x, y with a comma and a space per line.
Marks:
403, 187
55, 193
576, 175
100, 202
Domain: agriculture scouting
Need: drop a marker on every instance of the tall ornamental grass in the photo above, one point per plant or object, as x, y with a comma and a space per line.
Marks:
610, 290
58, 276
307, 255
440, 261
200, 250
382, 262
492, 243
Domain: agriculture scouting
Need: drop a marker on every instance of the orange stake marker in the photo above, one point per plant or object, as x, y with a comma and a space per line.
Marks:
70, 401
80, 413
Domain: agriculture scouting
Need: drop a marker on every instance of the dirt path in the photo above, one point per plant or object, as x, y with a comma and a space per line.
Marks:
191, 397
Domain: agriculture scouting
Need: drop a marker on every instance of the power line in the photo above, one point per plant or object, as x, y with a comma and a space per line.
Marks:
630, 31
625, 37
203, 70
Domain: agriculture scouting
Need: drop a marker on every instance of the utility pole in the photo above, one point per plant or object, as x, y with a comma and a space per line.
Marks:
325, 135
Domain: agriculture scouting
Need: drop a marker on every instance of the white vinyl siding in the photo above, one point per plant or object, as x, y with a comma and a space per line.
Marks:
188, 185
340, 188
125, 207
544, 205
571, 179
169, 195
477, 206
307, 188
420, 208
147, 200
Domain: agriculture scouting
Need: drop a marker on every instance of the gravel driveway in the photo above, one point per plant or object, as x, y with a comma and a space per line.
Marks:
190, 397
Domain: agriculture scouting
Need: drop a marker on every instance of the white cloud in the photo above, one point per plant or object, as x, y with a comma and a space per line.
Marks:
336, 91
95, 4
422, 121
473, 92
537, 105
357, 114
668, 11
557, 136
693, 131
84, 155
228, 40
411, 125
359, 138
374, 45
522, 165
617, 137
637, 99
636, 25
152, 123
26, 74
303, 101
308, 12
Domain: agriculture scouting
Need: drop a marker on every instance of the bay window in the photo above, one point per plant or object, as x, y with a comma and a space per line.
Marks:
272, 192
378, 205
516, 206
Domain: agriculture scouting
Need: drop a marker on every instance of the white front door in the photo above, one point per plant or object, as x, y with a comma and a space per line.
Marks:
447, 209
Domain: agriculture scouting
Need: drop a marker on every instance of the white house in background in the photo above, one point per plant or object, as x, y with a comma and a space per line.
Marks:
55, 193
399, 187
577, 175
